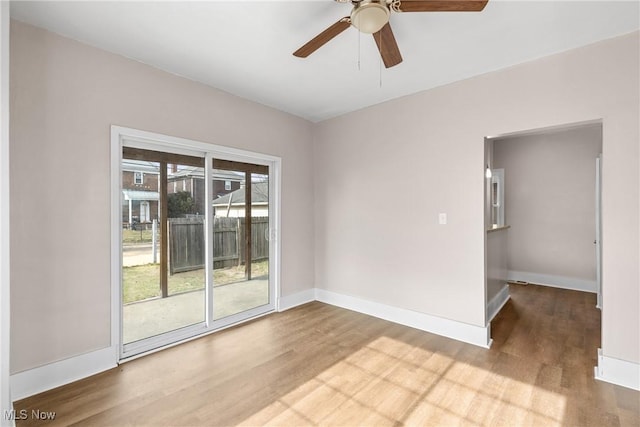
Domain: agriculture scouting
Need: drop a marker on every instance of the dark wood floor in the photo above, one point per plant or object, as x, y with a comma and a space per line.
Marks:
318, 364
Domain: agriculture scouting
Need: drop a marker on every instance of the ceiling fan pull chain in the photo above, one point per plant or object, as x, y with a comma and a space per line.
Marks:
380, 60
359, 36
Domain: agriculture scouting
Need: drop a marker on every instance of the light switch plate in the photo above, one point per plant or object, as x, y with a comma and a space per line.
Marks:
442, 218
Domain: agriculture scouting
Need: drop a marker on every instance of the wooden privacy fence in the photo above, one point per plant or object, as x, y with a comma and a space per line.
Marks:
186, 242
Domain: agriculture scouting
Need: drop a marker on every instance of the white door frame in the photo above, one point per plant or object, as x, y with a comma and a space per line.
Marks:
598, 240
121, 136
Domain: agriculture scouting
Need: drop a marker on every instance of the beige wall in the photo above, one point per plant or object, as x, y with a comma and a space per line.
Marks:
65, 96
433, 141
550, 183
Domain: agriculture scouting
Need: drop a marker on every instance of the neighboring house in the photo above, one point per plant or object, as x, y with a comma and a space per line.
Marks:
191, 179
140, 192
233, 204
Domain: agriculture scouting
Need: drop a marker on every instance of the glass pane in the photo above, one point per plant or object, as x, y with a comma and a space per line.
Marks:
239, 284
140, 256
161, 294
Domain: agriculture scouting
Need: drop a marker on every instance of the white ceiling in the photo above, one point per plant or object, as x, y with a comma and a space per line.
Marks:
245, 47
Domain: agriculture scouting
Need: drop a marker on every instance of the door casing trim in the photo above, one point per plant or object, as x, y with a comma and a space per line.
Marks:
123, 136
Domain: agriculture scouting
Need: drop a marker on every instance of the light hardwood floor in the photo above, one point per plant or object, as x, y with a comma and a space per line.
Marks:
318, 364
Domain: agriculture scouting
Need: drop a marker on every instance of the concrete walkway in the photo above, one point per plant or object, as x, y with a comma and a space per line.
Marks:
155, 316
138, 254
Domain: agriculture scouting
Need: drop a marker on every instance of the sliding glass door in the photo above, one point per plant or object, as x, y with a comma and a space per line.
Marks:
195, 245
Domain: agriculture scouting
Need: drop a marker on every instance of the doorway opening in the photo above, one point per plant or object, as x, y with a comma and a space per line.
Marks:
551, 209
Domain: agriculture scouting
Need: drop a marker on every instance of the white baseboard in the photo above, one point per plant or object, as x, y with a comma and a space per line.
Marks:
617, 371
562, 282
497, 302
471, 334
47, 377
299, 298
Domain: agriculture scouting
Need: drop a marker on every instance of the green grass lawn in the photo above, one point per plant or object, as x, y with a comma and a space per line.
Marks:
143, 281
137, 236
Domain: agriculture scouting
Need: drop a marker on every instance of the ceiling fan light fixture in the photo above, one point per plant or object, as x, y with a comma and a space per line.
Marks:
369, 17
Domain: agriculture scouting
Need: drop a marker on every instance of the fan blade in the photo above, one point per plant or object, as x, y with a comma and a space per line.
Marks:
387, 46
442, 5
318, 41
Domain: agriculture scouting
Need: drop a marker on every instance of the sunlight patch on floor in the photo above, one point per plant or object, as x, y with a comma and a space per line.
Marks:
390, 381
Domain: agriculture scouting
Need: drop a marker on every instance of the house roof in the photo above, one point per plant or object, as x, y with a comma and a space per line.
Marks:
220, 175
183, 171
140, 166
259, 195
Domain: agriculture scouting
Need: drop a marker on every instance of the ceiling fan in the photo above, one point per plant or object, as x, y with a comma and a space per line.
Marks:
372, 17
